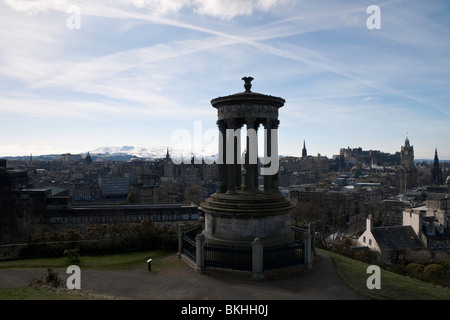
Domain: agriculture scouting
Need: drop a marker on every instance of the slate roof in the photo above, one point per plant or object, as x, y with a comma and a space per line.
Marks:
436, 236
397, 238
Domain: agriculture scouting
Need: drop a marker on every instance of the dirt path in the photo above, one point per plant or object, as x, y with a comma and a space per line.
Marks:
182, 283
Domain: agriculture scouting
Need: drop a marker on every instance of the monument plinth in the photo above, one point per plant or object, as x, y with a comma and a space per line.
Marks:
240, 211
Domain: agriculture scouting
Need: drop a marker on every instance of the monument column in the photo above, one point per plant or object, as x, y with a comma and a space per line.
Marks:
231, 159
267, 154
221, 166
275, 182
251, 156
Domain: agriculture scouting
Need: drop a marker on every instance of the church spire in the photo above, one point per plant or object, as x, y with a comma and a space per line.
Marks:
436, 172
88, 158
304, 153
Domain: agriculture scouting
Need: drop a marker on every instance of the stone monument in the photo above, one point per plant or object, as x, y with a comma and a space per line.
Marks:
242, 211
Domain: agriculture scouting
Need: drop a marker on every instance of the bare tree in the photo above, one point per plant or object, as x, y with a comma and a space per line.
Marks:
328, 227
194, 194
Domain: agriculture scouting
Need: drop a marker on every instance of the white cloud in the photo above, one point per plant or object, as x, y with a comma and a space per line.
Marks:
35, 6
159, 7
41, 108
228, 9
224, 9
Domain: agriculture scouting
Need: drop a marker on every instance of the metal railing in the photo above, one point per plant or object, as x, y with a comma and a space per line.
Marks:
240, 257
283, 256
189, 242
228, 257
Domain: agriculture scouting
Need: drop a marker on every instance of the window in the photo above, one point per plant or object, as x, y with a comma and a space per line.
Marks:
57, 220
364, 239
370, 242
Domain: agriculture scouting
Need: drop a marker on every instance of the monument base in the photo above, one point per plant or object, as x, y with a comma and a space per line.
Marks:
239, 219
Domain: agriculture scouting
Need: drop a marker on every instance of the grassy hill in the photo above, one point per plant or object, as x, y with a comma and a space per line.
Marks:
393, 286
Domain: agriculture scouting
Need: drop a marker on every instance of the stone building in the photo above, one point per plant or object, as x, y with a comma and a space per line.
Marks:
303, 170
80, 217
431, 222
393, 243
349, 157
344, 205
318, 165
425, 226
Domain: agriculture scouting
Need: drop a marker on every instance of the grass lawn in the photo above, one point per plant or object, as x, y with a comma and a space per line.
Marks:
393, 286
123, 261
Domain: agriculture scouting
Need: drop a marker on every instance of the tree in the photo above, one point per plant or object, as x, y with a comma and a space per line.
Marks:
327, 227
169, 192
194, 194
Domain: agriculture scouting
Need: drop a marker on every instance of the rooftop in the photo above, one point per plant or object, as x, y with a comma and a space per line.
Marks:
397, 238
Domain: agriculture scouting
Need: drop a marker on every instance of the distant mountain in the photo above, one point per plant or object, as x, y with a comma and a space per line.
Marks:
139, 152
124, 152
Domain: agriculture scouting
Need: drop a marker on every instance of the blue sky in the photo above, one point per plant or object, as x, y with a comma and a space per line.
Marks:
136, 71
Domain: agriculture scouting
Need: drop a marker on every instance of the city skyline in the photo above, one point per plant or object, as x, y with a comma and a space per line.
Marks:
76, 76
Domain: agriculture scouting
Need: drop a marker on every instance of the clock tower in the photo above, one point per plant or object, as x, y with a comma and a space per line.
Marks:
407, 155
407, 173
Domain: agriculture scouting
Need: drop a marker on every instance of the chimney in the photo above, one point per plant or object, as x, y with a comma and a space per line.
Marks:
369, 223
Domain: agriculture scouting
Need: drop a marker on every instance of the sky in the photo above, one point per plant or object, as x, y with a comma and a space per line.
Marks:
79, 75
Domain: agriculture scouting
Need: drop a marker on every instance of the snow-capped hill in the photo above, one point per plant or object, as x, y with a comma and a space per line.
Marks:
148, 153
132, 150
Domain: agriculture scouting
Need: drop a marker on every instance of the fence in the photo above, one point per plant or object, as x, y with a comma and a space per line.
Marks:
188, 242
253, 257
283, 257
228, 257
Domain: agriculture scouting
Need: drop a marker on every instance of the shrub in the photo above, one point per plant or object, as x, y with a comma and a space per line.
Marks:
415, 270
434, 273
49, 279
367, 256
73, 255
